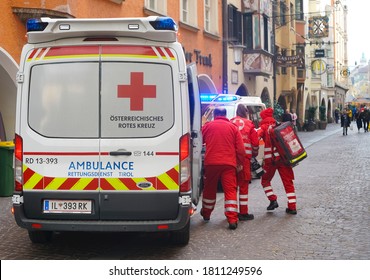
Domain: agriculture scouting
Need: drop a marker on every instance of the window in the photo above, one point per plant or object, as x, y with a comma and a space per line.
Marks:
282, 13
266, 33
158, 6
234, 25
300, 69
299, 9
292, 68
248, 31
211, 16
58, 90
188, 12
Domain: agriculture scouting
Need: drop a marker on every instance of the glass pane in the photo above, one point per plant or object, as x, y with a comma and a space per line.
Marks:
137, 99
63, 99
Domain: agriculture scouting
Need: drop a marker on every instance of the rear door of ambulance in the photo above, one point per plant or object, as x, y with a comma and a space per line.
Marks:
196, 131
58, 128
140, 130
101, 136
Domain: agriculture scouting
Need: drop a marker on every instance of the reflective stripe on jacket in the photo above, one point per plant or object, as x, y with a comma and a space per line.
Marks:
249, 135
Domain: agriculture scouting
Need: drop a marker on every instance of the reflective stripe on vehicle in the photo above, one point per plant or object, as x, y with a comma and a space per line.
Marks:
165, 181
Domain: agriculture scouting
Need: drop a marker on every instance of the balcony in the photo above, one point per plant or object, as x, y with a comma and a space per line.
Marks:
258, 63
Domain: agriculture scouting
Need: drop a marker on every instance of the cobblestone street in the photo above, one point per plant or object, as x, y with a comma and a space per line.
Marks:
333, 220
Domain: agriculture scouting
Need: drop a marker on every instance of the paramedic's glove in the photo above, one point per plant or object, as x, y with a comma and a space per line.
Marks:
239, 168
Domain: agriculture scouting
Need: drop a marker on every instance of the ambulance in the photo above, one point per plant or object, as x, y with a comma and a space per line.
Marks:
108, 129
230, 102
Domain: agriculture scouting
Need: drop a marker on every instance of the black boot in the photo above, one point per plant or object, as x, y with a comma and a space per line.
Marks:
273, 205
233, 226
245, 217
291, 211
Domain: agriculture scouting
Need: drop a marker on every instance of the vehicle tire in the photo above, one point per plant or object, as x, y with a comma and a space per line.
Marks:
40, 236
181, 237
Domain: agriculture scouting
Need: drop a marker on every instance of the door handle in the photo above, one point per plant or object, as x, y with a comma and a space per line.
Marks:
120, 153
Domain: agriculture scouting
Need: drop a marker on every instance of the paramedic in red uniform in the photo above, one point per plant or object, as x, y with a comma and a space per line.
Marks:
272, 162
224, 155
251, 145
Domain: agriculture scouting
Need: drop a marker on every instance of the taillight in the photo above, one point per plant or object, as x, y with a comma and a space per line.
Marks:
185, 170
18, 163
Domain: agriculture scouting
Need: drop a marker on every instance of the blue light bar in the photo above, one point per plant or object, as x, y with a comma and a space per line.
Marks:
205, 97
226, 98
164, 23
36, 24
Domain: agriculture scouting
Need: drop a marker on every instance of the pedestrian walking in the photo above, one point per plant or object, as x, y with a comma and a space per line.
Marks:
358, 121
345, 121
349, 112
224, 155
294, 118
251, 145
365, 116
273, 163
287, 117
336, 115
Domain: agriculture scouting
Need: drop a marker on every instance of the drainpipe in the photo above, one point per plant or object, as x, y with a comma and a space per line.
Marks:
224, 46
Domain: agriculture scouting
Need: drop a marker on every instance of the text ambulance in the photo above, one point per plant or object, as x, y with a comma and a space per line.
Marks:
107, 128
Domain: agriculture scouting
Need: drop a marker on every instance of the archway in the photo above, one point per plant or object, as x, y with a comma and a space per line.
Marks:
242, 90
265, 97
8, 95
206, 85
329, 112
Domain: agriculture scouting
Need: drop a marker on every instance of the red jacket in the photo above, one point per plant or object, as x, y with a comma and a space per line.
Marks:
249, 134
270, 153
224, 143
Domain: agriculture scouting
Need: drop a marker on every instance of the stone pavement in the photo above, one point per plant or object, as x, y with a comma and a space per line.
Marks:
333, 220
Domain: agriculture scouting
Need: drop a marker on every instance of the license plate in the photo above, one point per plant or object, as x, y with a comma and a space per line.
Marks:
67, 206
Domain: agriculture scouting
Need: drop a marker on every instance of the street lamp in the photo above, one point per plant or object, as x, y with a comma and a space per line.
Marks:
238, 53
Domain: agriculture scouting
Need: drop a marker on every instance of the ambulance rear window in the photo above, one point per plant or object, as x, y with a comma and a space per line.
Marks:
106, 99
64, 99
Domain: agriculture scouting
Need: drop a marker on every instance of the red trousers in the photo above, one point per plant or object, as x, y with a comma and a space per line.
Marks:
227, 175
244, 177
287, 176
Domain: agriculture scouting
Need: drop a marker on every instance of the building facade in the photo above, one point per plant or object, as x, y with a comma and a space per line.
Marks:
273, 39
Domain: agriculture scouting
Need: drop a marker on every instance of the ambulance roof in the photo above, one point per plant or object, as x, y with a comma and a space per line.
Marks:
154, 28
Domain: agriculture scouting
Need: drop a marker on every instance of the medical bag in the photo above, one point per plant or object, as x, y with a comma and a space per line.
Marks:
287, 143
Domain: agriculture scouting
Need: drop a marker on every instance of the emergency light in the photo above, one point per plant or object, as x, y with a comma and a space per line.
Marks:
36, 24
204, 97
161, 23
164, 23
226, 98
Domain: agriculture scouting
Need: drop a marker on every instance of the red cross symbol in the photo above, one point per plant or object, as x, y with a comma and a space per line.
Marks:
137, 91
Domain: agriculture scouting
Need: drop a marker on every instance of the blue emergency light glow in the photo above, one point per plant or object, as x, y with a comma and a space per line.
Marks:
36, 24
204, 97
226, 98
164, 23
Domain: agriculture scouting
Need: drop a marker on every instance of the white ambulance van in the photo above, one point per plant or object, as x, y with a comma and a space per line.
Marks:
254, 105
108, 129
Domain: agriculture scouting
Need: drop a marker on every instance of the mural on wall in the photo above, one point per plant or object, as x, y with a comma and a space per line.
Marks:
257, 63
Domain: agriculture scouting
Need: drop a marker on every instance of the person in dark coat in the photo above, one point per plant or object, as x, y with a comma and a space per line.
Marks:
287, 117
365, 115
358, 120
345, 122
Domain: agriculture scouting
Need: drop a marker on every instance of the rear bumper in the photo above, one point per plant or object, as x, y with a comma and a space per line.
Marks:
103, 225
